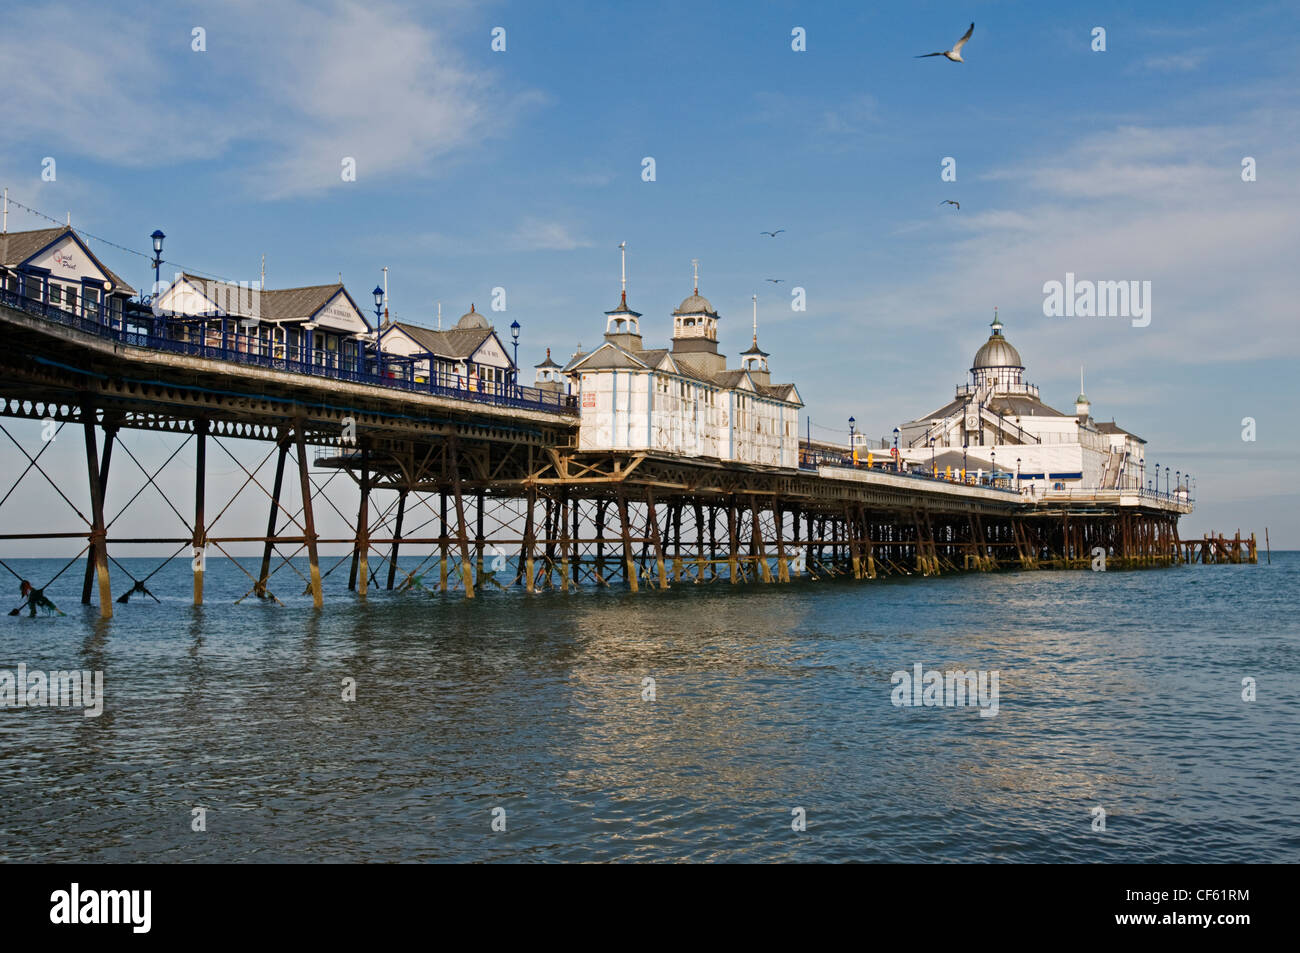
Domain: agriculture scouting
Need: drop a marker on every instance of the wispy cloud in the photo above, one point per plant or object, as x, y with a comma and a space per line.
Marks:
1183, 62
539, 235
282, 94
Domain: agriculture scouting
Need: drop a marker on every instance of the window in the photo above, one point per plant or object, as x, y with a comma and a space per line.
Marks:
70, 298
55, 293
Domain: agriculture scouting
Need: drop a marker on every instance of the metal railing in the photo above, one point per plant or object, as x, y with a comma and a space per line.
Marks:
140, 327
812, 458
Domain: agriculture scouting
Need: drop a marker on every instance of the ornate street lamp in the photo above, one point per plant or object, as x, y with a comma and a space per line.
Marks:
897, 459
853, 458
514, 334
157, 237
1017, 474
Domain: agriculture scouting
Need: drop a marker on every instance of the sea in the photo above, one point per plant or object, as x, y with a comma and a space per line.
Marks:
1129, 716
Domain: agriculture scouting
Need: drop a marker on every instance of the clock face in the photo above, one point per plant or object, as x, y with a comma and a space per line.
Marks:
972, 422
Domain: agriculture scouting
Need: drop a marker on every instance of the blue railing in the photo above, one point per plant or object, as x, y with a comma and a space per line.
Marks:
139, 327
812, 458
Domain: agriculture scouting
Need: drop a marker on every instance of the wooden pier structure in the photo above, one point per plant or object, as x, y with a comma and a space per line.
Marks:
457, 491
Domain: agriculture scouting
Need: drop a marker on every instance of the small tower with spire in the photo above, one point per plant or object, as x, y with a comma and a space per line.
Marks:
754, 359
695, 331
1082, 406
622, 324
549, 375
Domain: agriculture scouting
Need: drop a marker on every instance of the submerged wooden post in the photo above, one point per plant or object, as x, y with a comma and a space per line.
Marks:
529, 540
778, 517
478, 533
200, 492
733, 543
564, 540
362, 560
98, 531
756, 543
677, 540
259, 588
397, 536
109, 434
699, 541
308, 519
629, 562
443, 539
652, 521
600, 539
462, 533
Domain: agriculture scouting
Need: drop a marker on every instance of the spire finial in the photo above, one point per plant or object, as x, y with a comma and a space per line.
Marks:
695, 264
756, 320
996, 325
623, 249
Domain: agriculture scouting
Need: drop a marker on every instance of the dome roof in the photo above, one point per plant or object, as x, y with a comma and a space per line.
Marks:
696, 304
997, 351
472, 320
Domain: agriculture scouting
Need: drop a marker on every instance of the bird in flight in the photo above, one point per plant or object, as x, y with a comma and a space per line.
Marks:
955, 53
951, 202
773, 234
776, 281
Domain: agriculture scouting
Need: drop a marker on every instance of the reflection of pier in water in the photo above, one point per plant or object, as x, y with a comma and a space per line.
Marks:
490, 489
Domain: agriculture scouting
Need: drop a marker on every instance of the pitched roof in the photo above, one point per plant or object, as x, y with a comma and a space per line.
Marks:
458, 343
1113, 427
282, 304
288, 304
609, 356
17, 247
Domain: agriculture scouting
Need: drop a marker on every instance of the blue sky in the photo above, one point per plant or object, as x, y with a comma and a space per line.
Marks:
522, 169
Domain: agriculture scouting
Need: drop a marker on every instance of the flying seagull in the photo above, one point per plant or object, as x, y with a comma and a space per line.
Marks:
951, 202
955, 53
776, 281
773, 234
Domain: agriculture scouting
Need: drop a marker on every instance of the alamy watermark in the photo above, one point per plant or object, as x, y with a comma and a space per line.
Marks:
1085, 298
935, 689
53, 689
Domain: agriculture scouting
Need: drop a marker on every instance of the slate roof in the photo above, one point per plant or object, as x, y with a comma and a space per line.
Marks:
1014, 405
1113, 427
284, 304
457, 344
17, 247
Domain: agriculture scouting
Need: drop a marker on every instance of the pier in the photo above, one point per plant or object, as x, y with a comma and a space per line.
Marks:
460, 488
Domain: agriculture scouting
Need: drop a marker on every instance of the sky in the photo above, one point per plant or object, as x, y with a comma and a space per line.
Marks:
523, 168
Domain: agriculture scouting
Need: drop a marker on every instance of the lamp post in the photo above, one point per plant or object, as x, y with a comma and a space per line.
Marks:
1017, 474
1166, 481
897, 460
993, 464
1178, 481
853, 455
963, 464
157, 238
514, 334
379, 327
932, 473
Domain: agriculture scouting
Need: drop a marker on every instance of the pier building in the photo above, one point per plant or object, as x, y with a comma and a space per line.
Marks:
997, 421
683, 399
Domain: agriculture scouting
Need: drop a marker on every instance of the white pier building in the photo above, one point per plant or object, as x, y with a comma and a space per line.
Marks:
683, 399
997, 421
